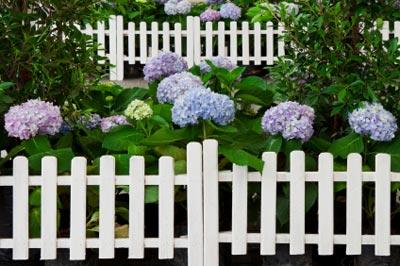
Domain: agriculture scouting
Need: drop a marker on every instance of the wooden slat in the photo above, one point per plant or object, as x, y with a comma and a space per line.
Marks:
281, 41
178, 38
143, 42
166, 208
131, 43
257, 43
101, 39
120, 48
113, 47
325, 204
20, 209
382, 205
190, 41
268, 204
197, 40
166, 37
107, 207
48, 209
154, 39
78, 209
246, 43
270, 43
239, 210
221, 38
209, 39
297, 203
233, 42
211, 200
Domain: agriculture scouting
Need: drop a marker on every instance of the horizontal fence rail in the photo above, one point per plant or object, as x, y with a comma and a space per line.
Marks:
127, 43
202, 181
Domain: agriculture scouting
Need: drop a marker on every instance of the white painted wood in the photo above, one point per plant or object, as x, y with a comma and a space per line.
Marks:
245, 43
385, 31
196, 41
297, 203
143, 42
382, 205
270, 43
281, 41
209, 39
120, 48
190, 41
136, 207
48, 214
166, 37
268, 204
101, 39
239, 210
195, 204
107, 207
221, 38
211, 200
131, 43
233, 41
154, 39
88, 30
354, 204
257, 43
325, 204
178, 38
20, 209
166, 208
78, 209
113, 47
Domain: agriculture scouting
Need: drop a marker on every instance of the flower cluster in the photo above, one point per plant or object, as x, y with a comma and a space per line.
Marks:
164, 65
175, 7
111, 122
218, 61
138, 110
90, 121
230, 11
374, 121
176, 85
210, 15
291, 119
31, 118
204, 104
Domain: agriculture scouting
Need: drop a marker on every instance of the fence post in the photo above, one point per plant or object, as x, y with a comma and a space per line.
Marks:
190, 40
120, 47
113, 47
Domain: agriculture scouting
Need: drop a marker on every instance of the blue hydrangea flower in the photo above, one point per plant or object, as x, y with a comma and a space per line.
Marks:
212, 2
176, 85
163, 65
230, 11
291, 119
90, 121
204, 104
177, 7
65, 128
218, 61
374, 121
210, 15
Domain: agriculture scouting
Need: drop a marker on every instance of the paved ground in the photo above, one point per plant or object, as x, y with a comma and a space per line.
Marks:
129, 83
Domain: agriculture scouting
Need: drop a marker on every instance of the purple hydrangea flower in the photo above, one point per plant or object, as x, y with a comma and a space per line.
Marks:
111, 122
203, 104
90, 121
374, 121
175, 7
218, 61
210, 15
176, 85
291, 119
31, 118
230, 11
163, 65
212, 2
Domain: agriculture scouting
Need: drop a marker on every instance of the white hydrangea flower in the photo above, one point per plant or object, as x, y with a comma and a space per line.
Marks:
138, 110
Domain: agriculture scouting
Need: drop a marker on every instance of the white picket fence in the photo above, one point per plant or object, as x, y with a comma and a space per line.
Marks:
243, 42
202, 182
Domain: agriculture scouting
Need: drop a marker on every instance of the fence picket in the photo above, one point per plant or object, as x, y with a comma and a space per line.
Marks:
190, 41
268, 204
281, 41
257, 43
166, 37
154, 39
143, 42
233, 41
113, 47
245, 43
221, 38
166, 208
382, 205
78, 209
178, 38
353, 204
385, 31
107, 207
397, 30
210, 201
20, 208
209, 39
325, 204
48, 214
131, 43
270, 43
195, 204
239, 210
120, 48
197, 40
101, 39
297, 203
136, 207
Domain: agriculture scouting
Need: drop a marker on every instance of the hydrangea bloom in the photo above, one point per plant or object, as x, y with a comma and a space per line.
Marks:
218, 61
212, 2
164, 65
175, 7
138, 110
176, 85
210, 15
90, 121
111, 122
203, 104
230, 11
374, 121
65, 128
33, 117
291, 119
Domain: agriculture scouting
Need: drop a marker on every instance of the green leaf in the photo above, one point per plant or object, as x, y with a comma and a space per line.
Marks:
252, 83
65, 141
121, 138
319, 144
166, 136
393, 149
180, 167
311, 195
34, 197
128, 95
38, 144
5, 85
123, 213
64, 157
241, 157
282, 209
151, 194
173, 151
34, 222
346, 145
274, 143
